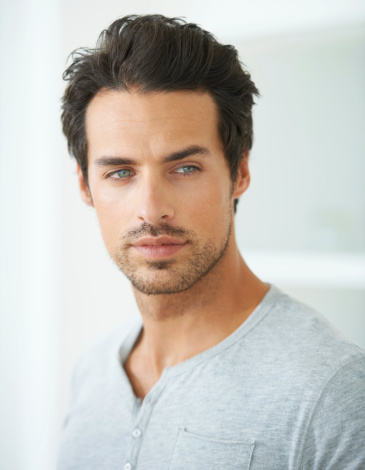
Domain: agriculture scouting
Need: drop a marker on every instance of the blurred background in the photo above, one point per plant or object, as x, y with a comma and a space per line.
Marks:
300, 226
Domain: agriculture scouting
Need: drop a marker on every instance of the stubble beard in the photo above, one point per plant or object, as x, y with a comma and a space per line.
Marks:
173, 275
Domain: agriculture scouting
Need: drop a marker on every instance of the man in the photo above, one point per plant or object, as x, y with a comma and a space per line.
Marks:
224, 371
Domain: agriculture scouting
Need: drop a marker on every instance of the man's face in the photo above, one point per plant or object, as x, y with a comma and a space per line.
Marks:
160, 185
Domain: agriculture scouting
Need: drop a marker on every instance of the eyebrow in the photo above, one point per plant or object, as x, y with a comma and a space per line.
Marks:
195, 150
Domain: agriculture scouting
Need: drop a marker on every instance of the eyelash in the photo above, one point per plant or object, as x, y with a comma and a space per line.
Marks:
111, 175
190, 173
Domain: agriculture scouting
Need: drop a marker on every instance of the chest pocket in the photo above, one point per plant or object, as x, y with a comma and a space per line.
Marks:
195, 452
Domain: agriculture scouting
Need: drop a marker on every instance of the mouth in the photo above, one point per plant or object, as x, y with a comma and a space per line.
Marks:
158, 248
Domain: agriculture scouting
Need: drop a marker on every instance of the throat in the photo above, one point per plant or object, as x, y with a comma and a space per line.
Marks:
141, 376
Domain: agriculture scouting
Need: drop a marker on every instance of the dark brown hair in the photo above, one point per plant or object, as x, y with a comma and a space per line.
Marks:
156, 53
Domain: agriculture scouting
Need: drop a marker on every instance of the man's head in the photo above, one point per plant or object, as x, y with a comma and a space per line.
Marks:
159, 120
154, 53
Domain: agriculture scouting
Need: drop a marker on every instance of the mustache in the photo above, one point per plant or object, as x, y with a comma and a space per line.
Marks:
155, 231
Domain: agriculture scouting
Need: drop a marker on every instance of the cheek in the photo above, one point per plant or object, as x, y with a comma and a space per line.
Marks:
209, 207
113, 218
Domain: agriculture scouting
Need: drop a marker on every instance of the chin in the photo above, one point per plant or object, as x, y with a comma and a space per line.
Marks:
158, 284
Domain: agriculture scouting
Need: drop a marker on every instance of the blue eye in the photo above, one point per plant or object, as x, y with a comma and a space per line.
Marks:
186, 169
123, 173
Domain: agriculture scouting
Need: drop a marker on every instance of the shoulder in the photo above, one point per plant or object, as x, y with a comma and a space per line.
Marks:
306, 337
335, 436
296, 352
326, 372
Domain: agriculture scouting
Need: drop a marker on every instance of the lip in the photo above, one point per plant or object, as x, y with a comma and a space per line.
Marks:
158, 248
153, 241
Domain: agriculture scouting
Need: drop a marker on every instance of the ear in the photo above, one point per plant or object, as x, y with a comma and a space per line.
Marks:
243, 177
84, 188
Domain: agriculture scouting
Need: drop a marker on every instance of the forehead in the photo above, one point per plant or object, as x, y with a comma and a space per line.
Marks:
150, 121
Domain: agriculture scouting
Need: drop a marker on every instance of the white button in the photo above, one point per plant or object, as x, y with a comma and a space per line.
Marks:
127, 466
136, 432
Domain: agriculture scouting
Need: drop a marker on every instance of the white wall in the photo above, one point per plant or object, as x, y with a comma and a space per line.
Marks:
29, 227
309, 144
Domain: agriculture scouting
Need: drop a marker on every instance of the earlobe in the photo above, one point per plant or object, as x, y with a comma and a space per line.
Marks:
84, 188
243, 177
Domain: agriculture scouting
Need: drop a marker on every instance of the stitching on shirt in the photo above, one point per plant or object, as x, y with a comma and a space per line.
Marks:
174, 447
249, 442
208, 354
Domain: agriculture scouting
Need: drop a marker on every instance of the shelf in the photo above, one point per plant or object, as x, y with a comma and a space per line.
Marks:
330, 270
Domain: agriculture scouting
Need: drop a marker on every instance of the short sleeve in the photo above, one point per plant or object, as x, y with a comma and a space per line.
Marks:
336, 434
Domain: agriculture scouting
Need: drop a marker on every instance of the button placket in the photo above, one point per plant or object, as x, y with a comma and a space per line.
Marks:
141, 416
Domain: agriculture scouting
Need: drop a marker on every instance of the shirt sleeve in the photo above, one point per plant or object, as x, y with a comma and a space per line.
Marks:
336, 434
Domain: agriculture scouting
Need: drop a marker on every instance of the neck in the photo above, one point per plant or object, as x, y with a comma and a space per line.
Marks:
179, 326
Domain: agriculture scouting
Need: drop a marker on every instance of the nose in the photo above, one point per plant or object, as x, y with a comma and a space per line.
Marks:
154, 200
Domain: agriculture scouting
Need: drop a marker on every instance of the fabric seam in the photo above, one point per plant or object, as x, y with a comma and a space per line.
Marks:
322, 394
266, 310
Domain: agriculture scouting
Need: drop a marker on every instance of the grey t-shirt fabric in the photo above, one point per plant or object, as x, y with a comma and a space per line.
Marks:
284, 391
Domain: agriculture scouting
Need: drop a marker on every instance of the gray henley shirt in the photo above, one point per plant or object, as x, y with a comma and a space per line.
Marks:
284, 391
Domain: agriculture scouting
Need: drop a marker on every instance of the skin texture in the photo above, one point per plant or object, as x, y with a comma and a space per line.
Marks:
161, 188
